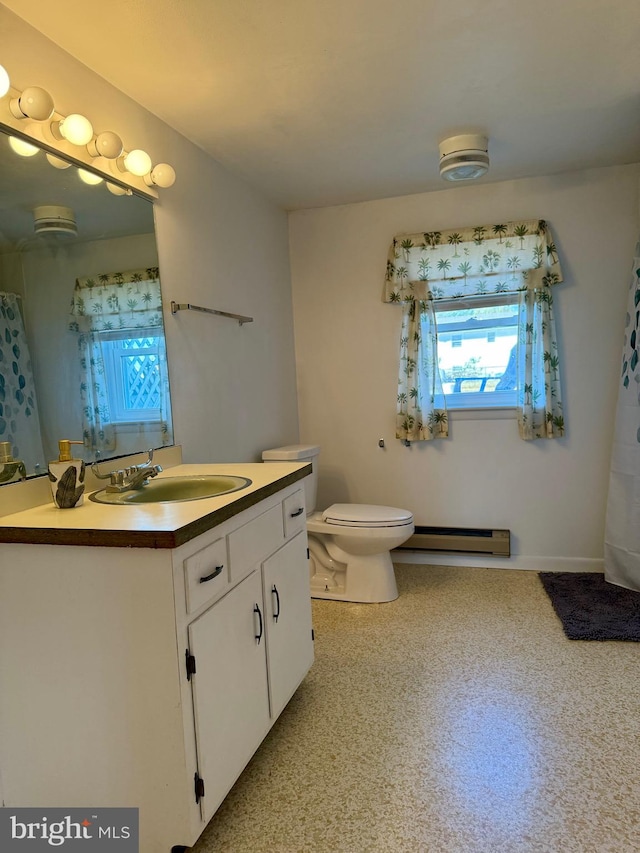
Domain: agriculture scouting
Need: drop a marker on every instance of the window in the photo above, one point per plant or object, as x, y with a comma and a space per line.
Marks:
134, 385
476, 351
122, 358
477, 306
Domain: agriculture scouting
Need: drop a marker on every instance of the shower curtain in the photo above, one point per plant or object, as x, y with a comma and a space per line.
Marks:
622, 529
19, 420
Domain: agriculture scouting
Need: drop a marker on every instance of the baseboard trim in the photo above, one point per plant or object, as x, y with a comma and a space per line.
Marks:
531, 564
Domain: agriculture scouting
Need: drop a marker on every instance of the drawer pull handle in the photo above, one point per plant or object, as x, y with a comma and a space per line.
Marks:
274, 591
214, 574
256, 609
297, 512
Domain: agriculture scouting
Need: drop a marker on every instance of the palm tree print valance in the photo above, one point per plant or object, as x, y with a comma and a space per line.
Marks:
473, 261
517, 259
117, 300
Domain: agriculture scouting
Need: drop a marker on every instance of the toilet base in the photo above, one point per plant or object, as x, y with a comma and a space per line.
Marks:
367, 579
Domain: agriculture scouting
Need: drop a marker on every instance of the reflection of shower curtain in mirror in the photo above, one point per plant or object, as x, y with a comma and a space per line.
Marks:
19, 421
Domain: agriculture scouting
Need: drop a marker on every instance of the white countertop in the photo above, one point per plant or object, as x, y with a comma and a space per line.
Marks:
143, 525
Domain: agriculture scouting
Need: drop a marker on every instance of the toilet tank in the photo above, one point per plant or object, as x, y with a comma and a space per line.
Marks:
299, 453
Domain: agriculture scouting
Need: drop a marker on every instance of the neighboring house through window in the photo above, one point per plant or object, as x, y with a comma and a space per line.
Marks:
475, 343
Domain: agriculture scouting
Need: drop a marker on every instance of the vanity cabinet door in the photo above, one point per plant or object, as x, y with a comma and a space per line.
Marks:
287, 599
230, 695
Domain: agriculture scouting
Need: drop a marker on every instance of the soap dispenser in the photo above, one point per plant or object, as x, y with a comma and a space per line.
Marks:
67, 477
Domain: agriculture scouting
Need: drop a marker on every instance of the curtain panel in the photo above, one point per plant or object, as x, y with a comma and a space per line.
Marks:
514, 258
118, 301
19, 419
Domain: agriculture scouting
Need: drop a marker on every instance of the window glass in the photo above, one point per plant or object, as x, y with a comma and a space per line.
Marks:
134, 380
477, 351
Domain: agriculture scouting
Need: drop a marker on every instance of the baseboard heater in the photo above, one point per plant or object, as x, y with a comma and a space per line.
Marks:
463, 540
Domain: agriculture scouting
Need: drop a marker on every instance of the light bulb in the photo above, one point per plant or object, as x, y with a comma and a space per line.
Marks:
162, 175
57, 162
117, 190
89, 177
75, 128
106, 144
137, 162
34, 102
5, 83
24, 149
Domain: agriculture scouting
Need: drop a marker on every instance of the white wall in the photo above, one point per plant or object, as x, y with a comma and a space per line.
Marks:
221, 244
550, 494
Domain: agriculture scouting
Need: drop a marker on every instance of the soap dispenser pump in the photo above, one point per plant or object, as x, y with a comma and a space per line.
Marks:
67, 476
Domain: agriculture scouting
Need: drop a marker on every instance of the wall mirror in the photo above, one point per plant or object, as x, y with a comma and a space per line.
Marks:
82, 352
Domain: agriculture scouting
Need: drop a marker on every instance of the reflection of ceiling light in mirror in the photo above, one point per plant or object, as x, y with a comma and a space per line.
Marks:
4, 82
75, 128
54, 219
163, 175
89, 177
34, 102
106, 144
116, 190
24, 149
57, 162
137, 162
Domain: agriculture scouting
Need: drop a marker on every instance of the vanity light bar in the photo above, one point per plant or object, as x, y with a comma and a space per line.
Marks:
36, 104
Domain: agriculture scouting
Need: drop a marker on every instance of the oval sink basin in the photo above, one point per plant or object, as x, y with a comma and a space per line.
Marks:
174, 489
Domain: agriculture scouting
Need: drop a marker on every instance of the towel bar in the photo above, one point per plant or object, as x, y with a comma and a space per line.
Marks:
187, 306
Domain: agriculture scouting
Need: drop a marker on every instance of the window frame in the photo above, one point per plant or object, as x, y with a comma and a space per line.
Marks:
478, 400
120, 415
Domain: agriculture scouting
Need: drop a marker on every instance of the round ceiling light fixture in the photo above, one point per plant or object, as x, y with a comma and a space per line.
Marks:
464, 157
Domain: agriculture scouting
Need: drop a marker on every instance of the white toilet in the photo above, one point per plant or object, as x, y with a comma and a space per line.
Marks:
349, 544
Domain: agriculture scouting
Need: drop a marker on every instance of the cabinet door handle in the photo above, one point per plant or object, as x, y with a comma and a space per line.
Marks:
274, 591
257, 610
214, 574
297, 512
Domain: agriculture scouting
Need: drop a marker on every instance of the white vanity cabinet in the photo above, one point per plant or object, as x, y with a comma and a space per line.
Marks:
148, 677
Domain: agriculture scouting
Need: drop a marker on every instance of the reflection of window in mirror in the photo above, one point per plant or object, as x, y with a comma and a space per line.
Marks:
123, 384
40, 263
134, 382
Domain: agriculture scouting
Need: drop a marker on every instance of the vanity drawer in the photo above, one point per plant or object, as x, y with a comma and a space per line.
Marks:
254, 541
206, 574
293, 510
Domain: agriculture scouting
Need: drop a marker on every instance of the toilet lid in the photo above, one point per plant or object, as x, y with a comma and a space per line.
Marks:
366, 515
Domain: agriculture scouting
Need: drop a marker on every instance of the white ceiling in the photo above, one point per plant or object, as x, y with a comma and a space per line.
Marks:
322, 102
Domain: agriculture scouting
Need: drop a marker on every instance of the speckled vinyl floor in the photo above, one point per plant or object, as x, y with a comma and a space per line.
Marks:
457, 719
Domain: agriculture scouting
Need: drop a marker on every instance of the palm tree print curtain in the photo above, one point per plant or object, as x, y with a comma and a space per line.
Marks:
508, 258
119, 301
422, 414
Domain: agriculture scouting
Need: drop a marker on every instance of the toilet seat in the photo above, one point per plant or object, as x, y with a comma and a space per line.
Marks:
366, 515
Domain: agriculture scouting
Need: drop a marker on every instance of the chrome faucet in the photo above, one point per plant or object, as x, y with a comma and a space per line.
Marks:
131, 478
9, 466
